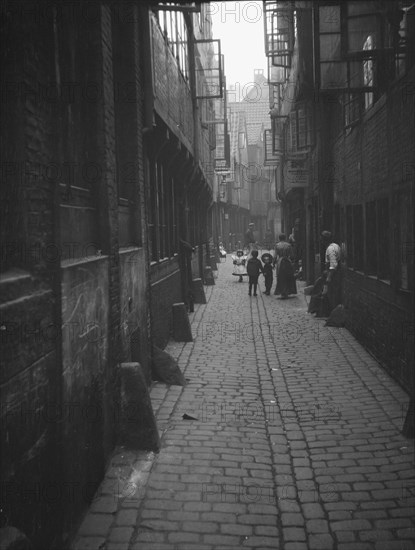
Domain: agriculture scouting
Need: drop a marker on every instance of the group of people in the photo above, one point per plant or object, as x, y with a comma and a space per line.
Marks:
283, 261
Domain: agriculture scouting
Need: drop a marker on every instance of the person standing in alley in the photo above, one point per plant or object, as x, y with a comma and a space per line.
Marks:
285, 271
267, 270
253, 268
332, 286
268, 239
249, 239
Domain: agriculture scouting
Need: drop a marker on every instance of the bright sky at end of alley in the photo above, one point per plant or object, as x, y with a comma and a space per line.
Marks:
239, 26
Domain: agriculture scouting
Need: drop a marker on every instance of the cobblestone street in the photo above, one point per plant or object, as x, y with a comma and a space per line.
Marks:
293, 441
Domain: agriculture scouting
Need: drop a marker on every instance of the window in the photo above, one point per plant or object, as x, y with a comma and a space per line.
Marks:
405, 43
350, 40
349, 236
152, 210
383, 239
351, 109
371, 239
182, 45
339, 223
358, 236
368, 72
220, 142
175, 31
299, 129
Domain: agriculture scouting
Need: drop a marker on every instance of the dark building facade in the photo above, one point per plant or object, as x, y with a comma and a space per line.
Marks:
104, 191
256, 177
341, 75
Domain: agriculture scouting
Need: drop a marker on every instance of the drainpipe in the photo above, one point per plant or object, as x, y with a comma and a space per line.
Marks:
192, 82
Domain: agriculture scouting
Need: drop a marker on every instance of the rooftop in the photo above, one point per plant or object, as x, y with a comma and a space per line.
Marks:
255, 106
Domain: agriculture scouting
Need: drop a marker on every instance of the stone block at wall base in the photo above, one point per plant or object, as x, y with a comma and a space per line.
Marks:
181, 324
137, 428
208, 276
198, 292
166, 369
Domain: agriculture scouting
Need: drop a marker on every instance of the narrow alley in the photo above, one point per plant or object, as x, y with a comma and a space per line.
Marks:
149, 147
292, 441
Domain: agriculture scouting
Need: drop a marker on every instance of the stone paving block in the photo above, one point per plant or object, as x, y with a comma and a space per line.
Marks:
303, 473
236, 508
264, 507
408, 511
308, 496
289, 518
261, 542
313, 510
317, 526
236, 529
198, 526
345, 536
351, 525
96, 524
111, 545
104, 504
267, 530
88, 543
321, 542
121, 534
294, 534
219, 541
160, 504
288, 505
406, 533
178, 538
126, 517
378, 505
150, 545
395, 545
378, 534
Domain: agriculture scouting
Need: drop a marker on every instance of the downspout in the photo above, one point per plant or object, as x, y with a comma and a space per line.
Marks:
192, 83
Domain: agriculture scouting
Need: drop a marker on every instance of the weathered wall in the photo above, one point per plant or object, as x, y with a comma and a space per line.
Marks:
165, 290
85, 419
376, 160
66, 317
30, 335
133, 302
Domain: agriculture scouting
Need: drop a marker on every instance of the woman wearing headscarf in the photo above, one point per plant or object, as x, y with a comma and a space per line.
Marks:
284, 255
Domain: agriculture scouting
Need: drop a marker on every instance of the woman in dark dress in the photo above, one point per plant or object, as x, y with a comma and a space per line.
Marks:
285, 271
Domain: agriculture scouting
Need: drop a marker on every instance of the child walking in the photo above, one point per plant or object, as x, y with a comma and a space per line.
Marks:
267, 270
253, 268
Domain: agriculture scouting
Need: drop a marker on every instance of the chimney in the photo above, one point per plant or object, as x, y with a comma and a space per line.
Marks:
259, 76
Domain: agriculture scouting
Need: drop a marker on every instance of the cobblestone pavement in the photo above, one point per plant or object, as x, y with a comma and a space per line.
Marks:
295, 445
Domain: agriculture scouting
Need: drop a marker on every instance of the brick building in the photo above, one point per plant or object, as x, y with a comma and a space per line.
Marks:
342, 140
104, 180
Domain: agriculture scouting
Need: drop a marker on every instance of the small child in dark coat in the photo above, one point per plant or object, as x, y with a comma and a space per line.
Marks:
253, 268
267, 270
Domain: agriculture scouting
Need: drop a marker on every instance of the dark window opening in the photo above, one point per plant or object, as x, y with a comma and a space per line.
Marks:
358, 237
371, 239
383, 238
349, 236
